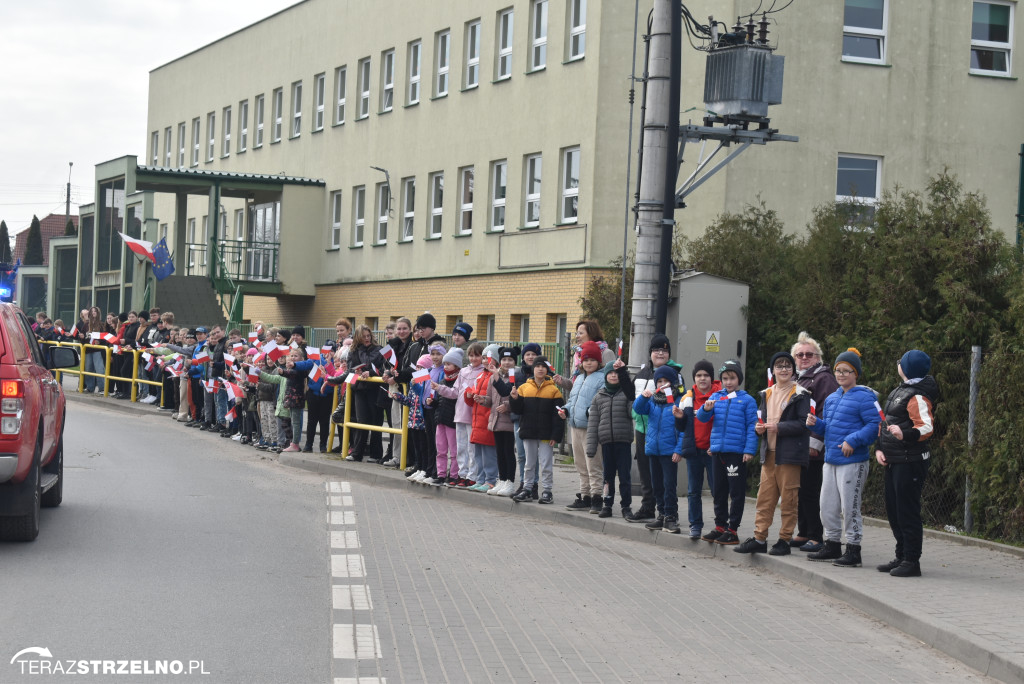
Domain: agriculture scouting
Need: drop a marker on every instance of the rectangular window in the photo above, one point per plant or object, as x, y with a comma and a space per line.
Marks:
538, 35
864, 31
211, 135
387, 80
191, 235
226, 142
195, 141
181, 145
859, 182
163, 231
577, 28
499, 189
275, 134
408, 207
524, 328
413, 94
570, 185
531, 208
991, 38
167, 147
489, 327
383, 211
239, 224
319, 86
436, 203
296, 109
340, 83
472, 54
503, 62
258, 120
243, 125
154, 147
335, 236
466, 201
441, 65
364, 88
205, 239
358, 215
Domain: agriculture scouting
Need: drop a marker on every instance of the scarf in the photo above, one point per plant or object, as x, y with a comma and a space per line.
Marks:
611, 389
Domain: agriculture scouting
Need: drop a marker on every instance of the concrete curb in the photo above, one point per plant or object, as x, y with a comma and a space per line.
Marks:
938, 636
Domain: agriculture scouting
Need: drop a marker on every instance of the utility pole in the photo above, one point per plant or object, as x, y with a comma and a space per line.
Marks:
656, 207
67, 199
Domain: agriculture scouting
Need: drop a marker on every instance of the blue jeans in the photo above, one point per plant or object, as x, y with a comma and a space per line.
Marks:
296, 417
222, 405
486, 462
696, 466
618, 459
95, 362
663, 480
520, 449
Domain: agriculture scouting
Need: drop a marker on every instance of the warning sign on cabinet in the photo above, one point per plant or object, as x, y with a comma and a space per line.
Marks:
711, 341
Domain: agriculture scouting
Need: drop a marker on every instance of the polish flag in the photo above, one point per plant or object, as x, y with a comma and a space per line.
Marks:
234, 391
316, 373
268, 345
202, 356
232, 414
143, 248
254, 374
294, 345
259, 329
277, 352
326, 351
620, 349
771, 378
352, 378
74, 330
421, 375
881, 413
229, 361
236, 345
388, 353
814, 407
668, 395
759, 419
730, 395
117, 349
550, 367
258, 359
210, 385
254, 337
94, 336
313, 353
512, 375
376, 371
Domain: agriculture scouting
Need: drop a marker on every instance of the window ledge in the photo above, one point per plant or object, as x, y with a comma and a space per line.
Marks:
385, 111
503, 79
468, 88
274, 142
433, 237
536, 227
1002, 77
848, 60
333, 249
293, 137
537, 70
496, 231
438, 97
406, 241
362, 118
240, 152
411, 104
379, 244
337, 123
225, 156
563, 224
464, 234
317, 130
573, 60
359, 246
256, 147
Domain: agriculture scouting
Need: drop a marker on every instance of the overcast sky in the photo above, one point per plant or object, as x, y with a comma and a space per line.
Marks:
74, 78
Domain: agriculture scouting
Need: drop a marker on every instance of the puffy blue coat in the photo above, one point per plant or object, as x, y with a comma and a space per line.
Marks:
584, 389
662, 438
732, 423
851, 417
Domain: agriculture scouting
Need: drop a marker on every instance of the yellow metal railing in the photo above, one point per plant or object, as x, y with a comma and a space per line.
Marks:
349, 425
107, 377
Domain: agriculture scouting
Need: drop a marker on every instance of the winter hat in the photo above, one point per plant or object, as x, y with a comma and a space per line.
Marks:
508, 351
300, 331
590, 350
704, 365
123, 317
668, 373
542, 360
252, 352
782, 355
201, 329
915, 364
426, 320
732, 366
660, 341
851, 357
464, 329
424, 361
532, 347
453, 357
437, 347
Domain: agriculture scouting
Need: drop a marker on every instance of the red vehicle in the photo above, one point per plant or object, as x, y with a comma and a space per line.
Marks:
32, 409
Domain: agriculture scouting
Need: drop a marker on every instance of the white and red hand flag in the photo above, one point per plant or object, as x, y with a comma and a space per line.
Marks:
326, 351
202, 356
232, 414
512, 375
881, 413
759, 418
730, 395
814, 407
312, 353
143, 248
254, 374
210, 386
421, 375
771, 378
234, 391
316, 373
388, 353
620, 349
74, 330
277, 352
668, 394
352, 378
254, 337
229, 361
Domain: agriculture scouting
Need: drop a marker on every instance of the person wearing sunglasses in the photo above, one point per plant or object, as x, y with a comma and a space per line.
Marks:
818, 379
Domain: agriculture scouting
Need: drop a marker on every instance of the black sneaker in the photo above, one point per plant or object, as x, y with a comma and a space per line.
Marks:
641, 516
830, 551
749, 546
656, 524
596, 505
906, 569
546, 498
627, 512
713, 535
307, 449
522, 496
850, 559
580, 503
606, 512
728, 538
671, 524
886, 567
780, 548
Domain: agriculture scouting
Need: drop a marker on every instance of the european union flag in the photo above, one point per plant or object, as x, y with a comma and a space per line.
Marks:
163, 264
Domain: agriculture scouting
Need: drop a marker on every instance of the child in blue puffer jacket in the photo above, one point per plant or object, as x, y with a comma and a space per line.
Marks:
663, 445
733, 417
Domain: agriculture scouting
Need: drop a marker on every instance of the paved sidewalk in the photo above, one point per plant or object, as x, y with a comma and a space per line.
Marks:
969, 603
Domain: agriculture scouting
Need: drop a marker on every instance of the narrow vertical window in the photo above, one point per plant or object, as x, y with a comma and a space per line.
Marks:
243, 125
181, 145
258, 120
499, 188
570, 185
577, 28
195, 141
226, 142
504, 58
359, 215
441, 64
466, 178
413, 95
859, 186
364, 88
335, 236
154, 147
167, 147
538, 35
864, 29
531, 208
436, 203
387, 81
408, 207
239, 224
383, 212
472, 54
211, 135
278, 113
319, 85
340, 84
296, 109
991, 38
524, 328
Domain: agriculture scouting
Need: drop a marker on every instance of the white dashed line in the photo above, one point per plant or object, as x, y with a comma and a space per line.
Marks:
351, 597
360, 680
343, 517
359, 642
339, 501
345, 540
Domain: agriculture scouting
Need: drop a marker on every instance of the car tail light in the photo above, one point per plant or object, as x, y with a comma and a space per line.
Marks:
12, 404
11, 388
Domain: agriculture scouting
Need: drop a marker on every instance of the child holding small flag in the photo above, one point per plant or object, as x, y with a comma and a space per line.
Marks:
281, 413
664, 446
463, 411
416, 451
485, 457
696, 441
444, 416
733, 416
295, 371
319, 397
849, 421
266, 396
500, 421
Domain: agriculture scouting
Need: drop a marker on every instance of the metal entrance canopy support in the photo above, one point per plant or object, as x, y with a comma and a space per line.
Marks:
726, 136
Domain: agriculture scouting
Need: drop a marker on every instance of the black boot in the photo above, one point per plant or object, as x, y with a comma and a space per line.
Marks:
581, 503
886, 567
850, 559
642, 515
832, 551
656, 524
907, 569
595, 505
605, 512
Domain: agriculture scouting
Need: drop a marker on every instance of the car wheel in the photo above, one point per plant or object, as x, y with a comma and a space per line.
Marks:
26, 527
55, 494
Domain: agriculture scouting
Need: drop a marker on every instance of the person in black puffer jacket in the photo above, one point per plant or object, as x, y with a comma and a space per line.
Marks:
903, 451
610, 424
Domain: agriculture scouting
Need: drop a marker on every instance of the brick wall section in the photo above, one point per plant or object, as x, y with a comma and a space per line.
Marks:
542, 295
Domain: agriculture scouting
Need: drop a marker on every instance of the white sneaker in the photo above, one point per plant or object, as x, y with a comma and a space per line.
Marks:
509, 487
496, 489
417, 476
237, 438
432, 481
